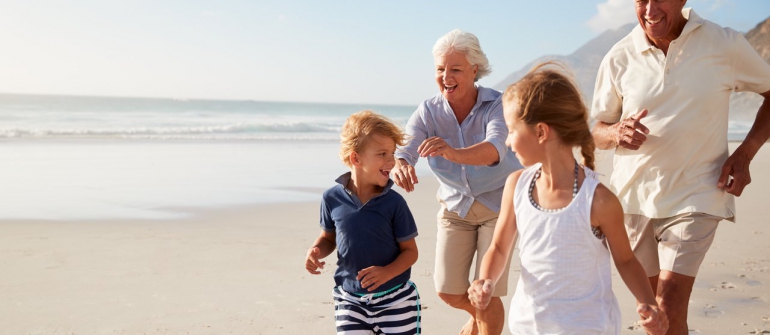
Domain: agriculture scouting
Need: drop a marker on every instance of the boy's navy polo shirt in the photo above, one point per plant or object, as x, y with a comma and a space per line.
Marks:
366, 234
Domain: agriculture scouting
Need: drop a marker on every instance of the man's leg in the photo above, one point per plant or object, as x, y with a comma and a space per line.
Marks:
673, 296
684, 241
491, 320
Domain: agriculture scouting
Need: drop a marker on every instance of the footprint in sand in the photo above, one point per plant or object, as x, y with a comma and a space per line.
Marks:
726, 285
712, 312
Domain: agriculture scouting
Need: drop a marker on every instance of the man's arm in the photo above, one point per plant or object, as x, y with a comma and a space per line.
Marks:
629, 133
737, 165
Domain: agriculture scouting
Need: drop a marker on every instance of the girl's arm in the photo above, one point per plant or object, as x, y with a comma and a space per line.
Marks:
607, 214
323, 246
493, 262
372, 277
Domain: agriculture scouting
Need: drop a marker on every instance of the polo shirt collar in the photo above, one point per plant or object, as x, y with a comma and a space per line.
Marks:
642, 44
345, 178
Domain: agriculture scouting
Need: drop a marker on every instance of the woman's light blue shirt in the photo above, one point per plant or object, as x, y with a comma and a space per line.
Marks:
461, 184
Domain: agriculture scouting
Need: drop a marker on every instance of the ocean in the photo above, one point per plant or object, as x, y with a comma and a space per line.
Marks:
68, 157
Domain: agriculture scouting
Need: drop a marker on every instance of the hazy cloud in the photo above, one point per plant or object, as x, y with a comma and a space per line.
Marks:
613, 14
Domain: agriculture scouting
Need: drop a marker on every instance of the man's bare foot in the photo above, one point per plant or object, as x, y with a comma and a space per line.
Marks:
470, 328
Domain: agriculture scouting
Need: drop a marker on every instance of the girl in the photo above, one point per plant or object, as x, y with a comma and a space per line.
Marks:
565, 218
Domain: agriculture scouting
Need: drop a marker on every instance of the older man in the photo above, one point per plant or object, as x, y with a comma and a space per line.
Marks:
661, 100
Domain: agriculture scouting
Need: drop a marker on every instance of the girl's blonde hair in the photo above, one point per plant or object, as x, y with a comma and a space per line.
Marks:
550, 96
359, 126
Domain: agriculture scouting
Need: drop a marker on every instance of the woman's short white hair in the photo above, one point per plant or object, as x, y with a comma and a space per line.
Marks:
468, 44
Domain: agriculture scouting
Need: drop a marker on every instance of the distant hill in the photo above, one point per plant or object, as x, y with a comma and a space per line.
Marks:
584, 63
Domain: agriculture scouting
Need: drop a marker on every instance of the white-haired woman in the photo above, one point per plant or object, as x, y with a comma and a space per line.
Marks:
461, 132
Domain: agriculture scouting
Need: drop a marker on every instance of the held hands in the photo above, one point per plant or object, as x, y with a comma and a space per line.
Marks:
373, 277
654, 321
480, 293
630, 133
312, 262
404, 175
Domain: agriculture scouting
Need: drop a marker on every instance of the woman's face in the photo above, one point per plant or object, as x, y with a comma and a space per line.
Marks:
455, 76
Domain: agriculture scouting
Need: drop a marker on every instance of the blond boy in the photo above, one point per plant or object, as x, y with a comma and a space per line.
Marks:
373, 231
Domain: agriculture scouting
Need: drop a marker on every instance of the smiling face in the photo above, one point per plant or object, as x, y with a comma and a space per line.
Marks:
376, 160
662, 20
455, 77
522, 138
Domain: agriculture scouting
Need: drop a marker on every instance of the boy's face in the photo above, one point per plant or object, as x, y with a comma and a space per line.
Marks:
376, 160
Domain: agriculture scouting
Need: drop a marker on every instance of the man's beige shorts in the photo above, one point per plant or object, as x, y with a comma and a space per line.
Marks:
677, 244
458, 240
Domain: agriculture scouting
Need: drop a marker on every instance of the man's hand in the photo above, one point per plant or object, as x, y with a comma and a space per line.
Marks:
480, 293
735, 173
373, 277
312, 262
654, 321
630, 133
404, 175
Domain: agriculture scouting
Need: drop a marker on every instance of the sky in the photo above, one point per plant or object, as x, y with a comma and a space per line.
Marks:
353, 51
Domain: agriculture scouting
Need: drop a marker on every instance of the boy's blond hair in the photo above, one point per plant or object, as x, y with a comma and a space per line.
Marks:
359, 126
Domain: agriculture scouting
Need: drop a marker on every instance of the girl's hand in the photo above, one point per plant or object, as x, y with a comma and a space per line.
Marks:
373, 277
654, 321
480, 293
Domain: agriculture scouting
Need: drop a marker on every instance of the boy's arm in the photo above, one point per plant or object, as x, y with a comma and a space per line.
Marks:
372, 277
493, 262
607, 214
323, 246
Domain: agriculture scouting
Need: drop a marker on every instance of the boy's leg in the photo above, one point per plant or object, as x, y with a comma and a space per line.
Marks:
397, 312
350, 314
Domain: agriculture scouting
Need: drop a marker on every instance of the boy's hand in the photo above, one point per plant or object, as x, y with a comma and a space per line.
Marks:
373, 277
480, 293
653, 320
312, 263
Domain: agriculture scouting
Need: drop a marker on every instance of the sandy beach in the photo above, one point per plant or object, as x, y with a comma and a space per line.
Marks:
239, 270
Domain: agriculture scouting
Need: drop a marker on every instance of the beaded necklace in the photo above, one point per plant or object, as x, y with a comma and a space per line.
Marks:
550, 210
595, 230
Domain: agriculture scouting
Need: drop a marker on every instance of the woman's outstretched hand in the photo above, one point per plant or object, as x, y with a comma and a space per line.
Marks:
404, 175
480, 293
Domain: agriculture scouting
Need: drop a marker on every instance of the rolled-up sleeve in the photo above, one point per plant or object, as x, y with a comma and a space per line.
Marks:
607, 105
751, 72
417, 130
497, 131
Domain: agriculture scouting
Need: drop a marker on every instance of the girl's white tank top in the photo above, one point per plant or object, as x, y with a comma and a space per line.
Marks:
565, 285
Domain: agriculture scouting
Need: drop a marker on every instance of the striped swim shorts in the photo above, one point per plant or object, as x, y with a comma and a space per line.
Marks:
395, 311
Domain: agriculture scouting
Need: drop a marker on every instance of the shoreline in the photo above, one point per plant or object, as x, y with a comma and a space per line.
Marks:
239, 269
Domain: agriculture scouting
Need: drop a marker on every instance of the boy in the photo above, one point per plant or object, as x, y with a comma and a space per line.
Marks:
373, 231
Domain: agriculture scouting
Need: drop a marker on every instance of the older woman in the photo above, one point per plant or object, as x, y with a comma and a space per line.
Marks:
461, 132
